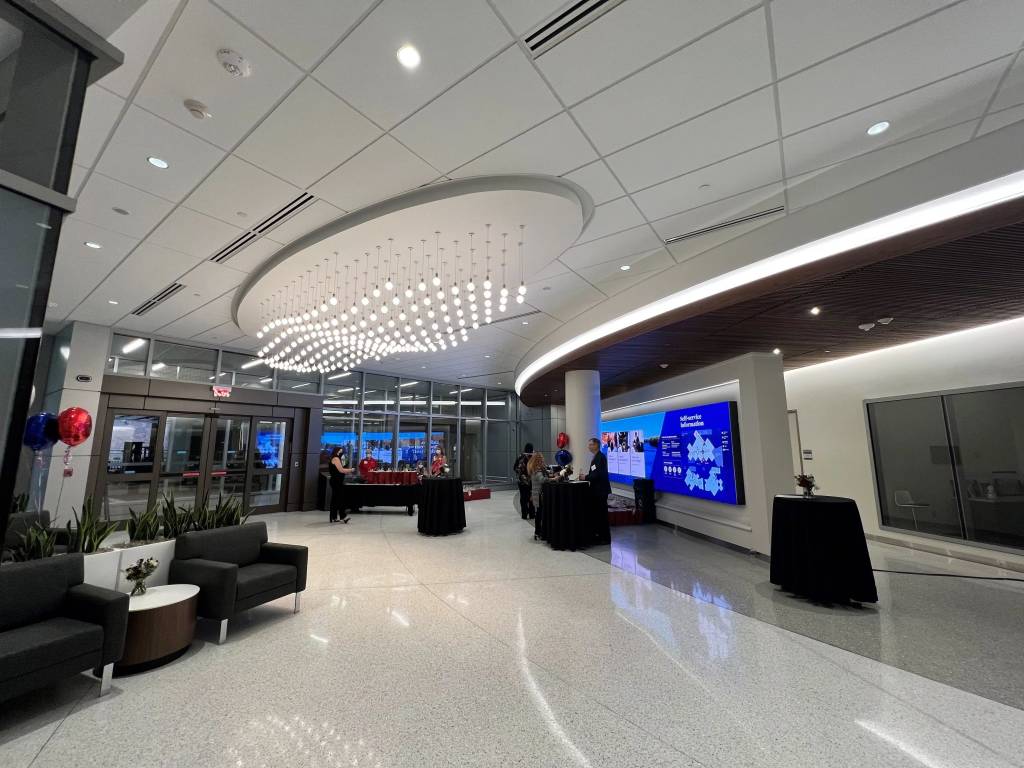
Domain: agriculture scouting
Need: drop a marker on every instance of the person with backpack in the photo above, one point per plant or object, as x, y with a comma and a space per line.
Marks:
520, 470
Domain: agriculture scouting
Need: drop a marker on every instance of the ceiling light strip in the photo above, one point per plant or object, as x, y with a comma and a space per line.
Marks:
960, 203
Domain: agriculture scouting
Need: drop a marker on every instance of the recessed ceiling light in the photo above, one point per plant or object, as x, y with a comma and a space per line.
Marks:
704, 187
776, 351
526, 322
815, 311
408, 56
53, 304
121, 211
663, 365
625, 267
157, 162
866, 326
878, 128
111, 301
43, 225
487, 356
546, 288
91, 244
884, 320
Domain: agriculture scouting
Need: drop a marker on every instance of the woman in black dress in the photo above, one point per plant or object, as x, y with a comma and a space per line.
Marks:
338, 471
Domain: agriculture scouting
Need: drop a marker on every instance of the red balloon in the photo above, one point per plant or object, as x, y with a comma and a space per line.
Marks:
562, 440
74, 425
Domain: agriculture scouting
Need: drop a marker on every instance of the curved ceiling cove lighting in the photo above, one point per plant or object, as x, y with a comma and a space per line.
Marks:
960, 203
418, 273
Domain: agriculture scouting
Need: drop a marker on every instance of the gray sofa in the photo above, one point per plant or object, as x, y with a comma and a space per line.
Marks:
236, 569
54, 626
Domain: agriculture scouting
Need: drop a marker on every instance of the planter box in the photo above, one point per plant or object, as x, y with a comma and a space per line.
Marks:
101, 568
161, 550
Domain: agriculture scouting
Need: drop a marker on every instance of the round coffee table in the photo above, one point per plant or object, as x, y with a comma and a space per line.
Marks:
161, 626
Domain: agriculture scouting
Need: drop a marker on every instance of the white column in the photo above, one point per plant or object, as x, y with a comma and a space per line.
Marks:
582, 410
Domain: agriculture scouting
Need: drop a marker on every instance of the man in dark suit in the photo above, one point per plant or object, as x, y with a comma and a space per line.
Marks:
600, 489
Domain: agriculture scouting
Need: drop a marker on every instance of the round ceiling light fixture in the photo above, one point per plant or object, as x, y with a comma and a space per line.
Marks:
234, 63
157, 162
408, 56
776, 351
878, 128
815, 311
625, 267
197, 109
93, 245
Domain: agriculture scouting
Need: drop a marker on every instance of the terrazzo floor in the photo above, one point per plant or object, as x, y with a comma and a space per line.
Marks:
489, 649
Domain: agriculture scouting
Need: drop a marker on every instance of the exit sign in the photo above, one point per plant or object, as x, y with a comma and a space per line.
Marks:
220, 391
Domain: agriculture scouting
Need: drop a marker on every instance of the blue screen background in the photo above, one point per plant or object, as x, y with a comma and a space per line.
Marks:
689, 451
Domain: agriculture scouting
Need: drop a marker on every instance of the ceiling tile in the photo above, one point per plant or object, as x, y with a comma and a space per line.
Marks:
633, 35
730, 177
221, 334
148, 270
382, 170
954, 100
137, 39
612, 248
998, 120
611, 217
1011, 92
744, 124
204, 318
553, 147
236, 186
498, 101
78, 173
452, 36
194, 233
597, 180
79, 269
714, 70
96, 309
955, 39
141, 135
304, 222
569, 295
101, 195
524, 15
211, 280
553, 269
187, 68
253, 256
818, 185
719, 211
310, 133
611, 279
99, 113
806, 33
302, 31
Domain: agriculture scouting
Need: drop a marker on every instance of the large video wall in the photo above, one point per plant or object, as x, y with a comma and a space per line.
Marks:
690, 451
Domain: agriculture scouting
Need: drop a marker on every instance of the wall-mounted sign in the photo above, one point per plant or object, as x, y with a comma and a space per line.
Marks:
221, 391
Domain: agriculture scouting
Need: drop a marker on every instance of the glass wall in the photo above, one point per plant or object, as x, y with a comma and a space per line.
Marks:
128, 355
184, 363
240, 370
952, 465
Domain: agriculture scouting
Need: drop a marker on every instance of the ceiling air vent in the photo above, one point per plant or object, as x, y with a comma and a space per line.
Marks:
234, 247
725, 224
285, 213
159, 298
567, 23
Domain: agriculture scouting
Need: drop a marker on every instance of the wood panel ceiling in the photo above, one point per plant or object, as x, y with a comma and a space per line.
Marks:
956, 275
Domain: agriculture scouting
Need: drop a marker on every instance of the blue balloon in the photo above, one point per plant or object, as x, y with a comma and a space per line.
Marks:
564, 458
40, 431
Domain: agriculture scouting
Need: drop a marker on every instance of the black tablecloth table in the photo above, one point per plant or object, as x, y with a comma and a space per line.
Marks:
442, 508
564, 514
819, 550
356, 496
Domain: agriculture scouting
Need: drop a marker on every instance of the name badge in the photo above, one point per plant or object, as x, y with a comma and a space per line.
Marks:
593, 467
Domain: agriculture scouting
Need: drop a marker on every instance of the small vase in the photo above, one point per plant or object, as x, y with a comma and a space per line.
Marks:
808, 493
138, 588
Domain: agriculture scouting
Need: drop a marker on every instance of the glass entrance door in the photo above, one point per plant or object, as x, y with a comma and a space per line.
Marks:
269, 464
181, 458
226, 459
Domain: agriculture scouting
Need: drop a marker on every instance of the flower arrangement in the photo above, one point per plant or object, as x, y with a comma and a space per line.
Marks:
807, 483
137, 574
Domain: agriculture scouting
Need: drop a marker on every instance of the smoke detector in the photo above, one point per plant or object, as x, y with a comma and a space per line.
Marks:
234, 63
197, 109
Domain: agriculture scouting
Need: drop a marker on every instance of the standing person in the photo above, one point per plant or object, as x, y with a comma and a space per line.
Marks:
338, 471
519, 469
600, 489
535, 470
367, 465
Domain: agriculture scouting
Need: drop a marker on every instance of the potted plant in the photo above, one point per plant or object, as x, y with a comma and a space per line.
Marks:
176, 520
36, 543
87, 535
138, 572
143, 527
145, 544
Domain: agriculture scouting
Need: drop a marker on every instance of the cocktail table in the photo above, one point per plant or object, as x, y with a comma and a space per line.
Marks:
161, 626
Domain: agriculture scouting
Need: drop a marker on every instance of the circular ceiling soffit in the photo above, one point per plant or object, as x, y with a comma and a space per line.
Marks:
553, 211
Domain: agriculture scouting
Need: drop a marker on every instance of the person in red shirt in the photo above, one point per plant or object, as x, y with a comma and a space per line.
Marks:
439, 463
367, 465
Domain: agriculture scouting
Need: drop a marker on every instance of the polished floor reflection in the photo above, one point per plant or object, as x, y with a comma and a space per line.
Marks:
964, 632
489, 649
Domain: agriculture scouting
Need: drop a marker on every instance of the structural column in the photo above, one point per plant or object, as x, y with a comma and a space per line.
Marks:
582, 410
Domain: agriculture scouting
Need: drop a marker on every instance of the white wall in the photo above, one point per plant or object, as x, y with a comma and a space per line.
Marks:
756, 382
829, 400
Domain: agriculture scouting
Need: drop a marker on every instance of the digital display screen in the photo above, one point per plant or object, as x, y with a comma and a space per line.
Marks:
690, 451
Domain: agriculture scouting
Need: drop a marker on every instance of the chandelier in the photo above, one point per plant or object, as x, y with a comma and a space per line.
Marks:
399, 300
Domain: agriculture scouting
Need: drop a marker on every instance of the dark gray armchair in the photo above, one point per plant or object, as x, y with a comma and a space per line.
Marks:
236, 569
53, 626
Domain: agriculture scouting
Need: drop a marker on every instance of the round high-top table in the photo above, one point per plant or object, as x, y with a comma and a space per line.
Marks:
442, 507
819, 550
161, 626
563, 519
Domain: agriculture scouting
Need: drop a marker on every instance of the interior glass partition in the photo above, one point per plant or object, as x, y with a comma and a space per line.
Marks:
413, 450
499, 452
183, 363
128, 355
238, 370
471, 460
413, 396
377, 440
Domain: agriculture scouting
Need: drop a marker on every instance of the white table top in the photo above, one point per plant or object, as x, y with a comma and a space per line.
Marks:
158, 597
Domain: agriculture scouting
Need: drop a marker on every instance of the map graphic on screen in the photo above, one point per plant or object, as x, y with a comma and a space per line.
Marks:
690, 451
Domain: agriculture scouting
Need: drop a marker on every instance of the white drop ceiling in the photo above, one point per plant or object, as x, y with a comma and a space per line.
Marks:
672, 114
